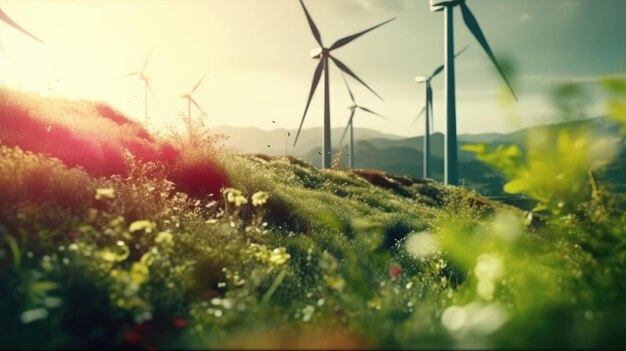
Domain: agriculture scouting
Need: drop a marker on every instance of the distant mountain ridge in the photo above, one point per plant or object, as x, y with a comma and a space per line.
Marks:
403, 156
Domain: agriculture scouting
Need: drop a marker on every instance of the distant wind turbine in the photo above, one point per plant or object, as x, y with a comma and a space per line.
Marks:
451, 174
190, 100
350, 125
147, 88
5, 18
428, 108
323, 54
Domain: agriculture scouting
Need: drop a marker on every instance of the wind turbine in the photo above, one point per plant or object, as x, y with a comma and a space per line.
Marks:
451, 174
324, 54
350, 125
147, 88
5, 18
428, 108
190, 100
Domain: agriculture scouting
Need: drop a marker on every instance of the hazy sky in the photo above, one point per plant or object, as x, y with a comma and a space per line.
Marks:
256, 53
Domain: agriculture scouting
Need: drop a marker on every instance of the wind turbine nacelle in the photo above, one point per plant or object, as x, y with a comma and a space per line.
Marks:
421, 79
316, 53
438, 5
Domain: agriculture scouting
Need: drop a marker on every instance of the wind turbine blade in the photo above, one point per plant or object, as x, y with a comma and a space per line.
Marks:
474, 27
440, 68
372, 112
145, 63
4, 17
196, 104
347, 126
316, 79
348, 86
419, 115
345, 68
343, 41
314, 30
198, 84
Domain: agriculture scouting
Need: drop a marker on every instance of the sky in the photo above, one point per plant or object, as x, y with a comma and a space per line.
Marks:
255, 54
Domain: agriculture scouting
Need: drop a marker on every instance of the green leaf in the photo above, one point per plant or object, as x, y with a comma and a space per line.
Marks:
15, 251
517, 186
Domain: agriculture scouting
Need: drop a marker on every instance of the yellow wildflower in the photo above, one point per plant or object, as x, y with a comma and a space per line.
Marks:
144, 225
259, 198
164, 238
108, 193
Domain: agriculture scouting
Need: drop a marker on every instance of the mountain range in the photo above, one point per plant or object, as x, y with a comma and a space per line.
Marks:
403, 156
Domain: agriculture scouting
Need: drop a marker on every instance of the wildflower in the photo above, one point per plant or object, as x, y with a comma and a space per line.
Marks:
139, 273
105, 193
279, 256
144, 225
213, 293
395, 271
420, 245
142, 327
180, 322
259, 198
73, 235
132, 338
235, 196
117, 253
164, 238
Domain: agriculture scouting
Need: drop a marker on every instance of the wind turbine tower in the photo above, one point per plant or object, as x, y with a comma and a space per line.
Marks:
451, 173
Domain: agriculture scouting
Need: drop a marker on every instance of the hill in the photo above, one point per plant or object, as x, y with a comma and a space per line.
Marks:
293, 256
403, 156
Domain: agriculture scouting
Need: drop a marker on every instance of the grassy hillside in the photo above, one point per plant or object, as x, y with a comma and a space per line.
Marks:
290, 256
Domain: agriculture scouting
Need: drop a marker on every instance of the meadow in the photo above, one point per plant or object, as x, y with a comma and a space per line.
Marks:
137, 241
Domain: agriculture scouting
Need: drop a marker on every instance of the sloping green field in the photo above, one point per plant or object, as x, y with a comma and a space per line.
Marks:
290, 256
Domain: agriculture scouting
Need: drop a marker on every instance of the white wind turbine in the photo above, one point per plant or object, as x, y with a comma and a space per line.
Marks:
147, 88
350, 124
451, 174
191, 100
323, 54
428, 108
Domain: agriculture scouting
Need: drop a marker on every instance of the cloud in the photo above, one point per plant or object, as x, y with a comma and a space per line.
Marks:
524, 17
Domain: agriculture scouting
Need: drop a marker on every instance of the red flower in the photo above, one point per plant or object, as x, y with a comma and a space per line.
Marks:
142, 328
209, 294
394, 272
180, 322
73, 235
132, 338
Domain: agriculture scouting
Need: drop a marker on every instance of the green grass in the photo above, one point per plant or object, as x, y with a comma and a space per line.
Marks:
322, 264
